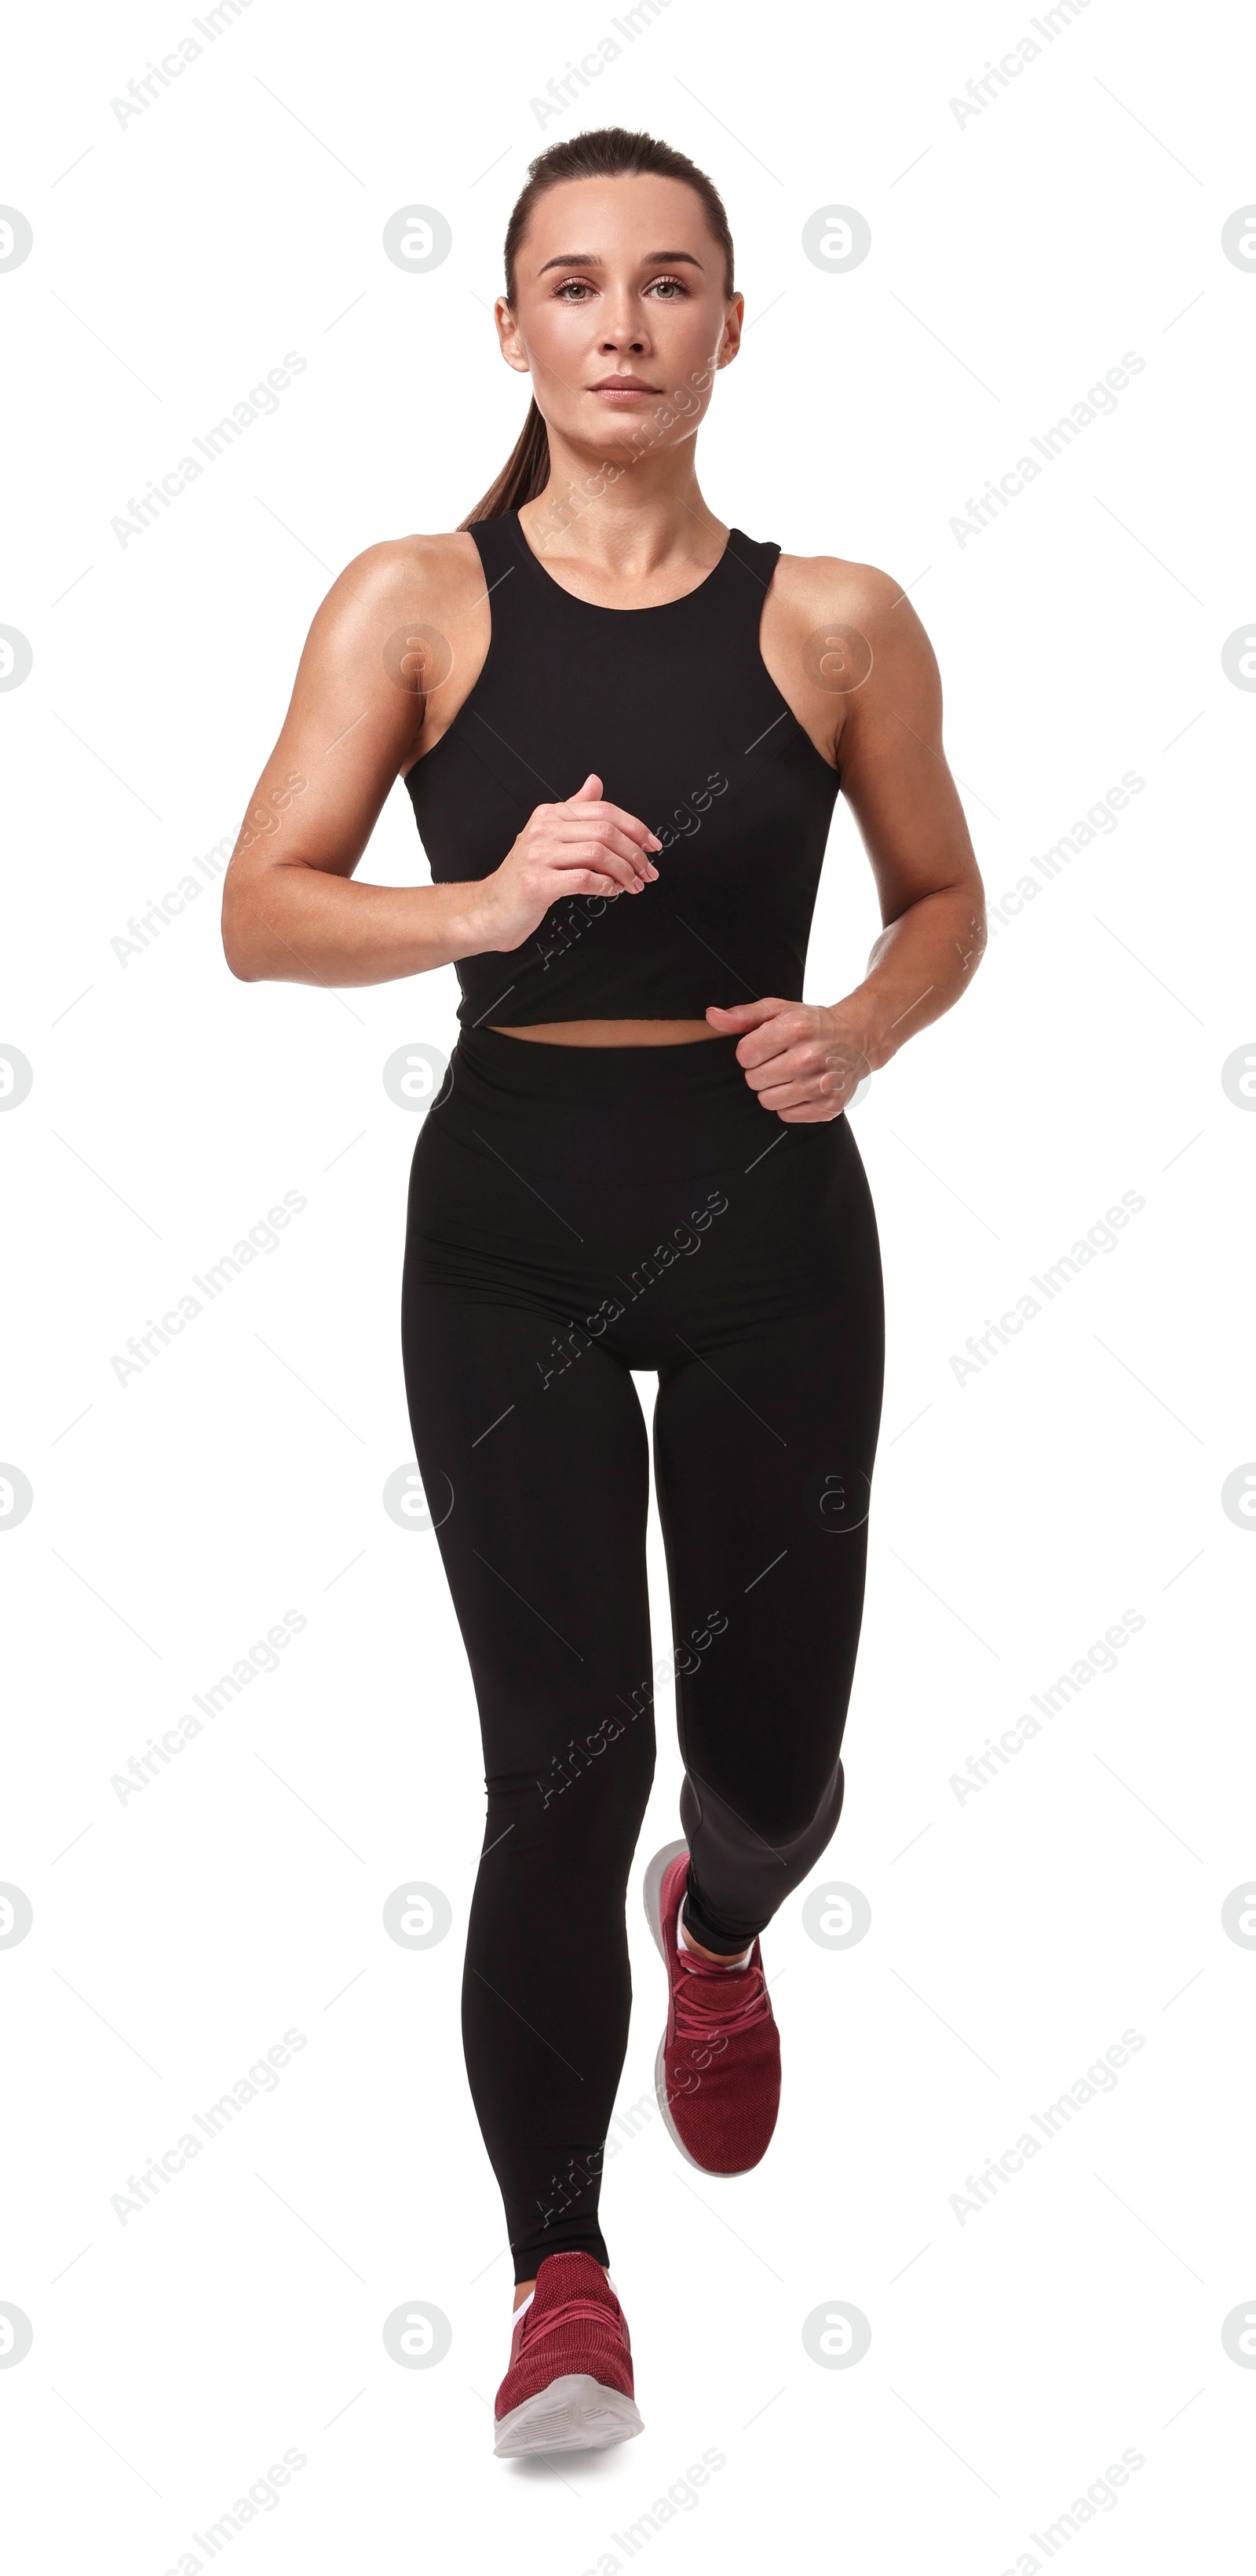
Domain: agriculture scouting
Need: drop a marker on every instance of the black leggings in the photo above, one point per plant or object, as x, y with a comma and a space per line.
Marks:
576, 1213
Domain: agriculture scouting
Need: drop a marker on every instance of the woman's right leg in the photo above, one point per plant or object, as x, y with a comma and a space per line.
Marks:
543, 1544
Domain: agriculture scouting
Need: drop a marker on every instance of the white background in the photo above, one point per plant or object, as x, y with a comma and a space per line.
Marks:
1015, 258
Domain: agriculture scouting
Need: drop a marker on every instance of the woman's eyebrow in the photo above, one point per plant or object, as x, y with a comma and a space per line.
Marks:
650, 259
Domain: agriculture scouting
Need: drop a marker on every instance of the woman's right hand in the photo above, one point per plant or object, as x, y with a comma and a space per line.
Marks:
583, 846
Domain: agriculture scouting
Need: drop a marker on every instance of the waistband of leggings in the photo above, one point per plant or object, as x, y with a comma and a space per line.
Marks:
691, 1074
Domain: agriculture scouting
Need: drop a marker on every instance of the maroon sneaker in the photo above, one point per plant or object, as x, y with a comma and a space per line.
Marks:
718, 2070
569, 2385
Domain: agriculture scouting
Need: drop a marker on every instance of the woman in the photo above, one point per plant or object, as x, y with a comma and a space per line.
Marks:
623, 727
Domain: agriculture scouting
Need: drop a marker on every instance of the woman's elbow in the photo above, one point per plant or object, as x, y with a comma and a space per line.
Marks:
238, 943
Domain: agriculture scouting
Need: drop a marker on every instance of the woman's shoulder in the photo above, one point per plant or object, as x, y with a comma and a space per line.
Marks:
819, 592
440, 573
833, 585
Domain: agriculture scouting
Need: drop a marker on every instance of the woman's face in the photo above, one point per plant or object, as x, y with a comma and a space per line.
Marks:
620, 314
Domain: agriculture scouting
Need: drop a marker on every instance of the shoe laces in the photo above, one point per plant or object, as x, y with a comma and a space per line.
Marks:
704, 2004
566, 2312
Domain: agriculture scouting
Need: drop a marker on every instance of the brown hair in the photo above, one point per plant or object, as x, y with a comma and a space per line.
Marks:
610, 152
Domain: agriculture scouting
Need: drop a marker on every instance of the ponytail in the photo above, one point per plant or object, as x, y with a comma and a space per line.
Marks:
523, 476
609, 153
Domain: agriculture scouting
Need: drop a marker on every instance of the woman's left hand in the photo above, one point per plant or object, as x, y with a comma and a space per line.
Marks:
804, 1061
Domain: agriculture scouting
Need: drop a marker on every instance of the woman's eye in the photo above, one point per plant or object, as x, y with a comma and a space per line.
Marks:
576, 290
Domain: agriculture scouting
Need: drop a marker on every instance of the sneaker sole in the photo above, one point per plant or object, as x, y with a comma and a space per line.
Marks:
575, 2413
652, 1893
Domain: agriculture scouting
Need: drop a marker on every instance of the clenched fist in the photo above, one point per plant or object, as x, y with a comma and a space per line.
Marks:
583, 846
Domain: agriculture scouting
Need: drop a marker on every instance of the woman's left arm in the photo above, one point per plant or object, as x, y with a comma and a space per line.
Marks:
805, 1059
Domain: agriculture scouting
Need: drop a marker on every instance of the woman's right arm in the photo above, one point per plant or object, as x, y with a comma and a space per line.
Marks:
291, 911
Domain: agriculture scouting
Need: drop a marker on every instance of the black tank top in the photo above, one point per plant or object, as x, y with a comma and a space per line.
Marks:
674, 710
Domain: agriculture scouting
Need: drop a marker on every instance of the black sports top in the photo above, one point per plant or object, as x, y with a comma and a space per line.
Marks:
674, 710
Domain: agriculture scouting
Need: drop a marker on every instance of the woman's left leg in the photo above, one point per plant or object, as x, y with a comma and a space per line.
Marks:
763, 1445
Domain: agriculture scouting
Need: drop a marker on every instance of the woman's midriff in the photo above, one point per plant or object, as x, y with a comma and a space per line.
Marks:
614, 1032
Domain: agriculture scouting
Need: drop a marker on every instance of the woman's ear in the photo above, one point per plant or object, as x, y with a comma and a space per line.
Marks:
508, 335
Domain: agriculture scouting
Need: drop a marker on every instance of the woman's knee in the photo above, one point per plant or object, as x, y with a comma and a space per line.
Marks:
592, 1785
782, 1811
600, 1778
